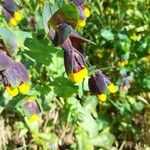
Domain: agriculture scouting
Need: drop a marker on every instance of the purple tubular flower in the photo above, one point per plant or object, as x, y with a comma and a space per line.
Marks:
74, 61
81, 6
9, 7
5, 61
98, 83
71, 43
13, 73
31, 106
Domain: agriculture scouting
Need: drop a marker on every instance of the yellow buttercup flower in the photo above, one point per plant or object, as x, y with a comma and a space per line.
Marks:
112, 88
17, 16
78, 76
12, 91
13, 22
87, 12
102, 97
24, 88
81, 23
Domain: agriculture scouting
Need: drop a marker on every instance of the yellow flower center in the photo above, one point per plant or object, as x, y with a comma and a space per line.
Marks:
87, 12
33, 118
81, 23
112, 88
24, 88
17, 16
13, 22
78, 76
12, 91
102, 97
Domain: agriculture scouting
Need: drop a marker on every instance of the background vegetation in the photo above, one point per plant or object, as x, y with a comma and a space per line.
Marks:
71, 118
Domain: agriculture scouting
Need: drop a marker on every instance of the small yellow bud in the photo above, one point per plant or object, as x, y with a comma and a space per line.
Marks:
87, 12
81, 23
78, 76
17, 16
112, 88
102, 97
13, 22
12, 91
24, 88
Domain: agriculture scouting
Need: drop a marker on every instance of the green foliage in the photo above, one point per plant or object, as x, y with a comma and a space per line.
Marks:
71, 118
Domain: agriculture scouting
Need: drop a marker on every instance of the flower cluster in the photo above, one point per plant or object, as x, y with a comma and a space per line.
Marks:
11, 12
62, 34
13, 75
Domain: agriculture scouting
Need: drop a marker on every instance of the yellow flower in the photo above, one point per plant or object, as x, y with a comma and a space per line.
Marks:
13, 22
102, 97
78, 76
87, 12
12, 91
33, 118
81, 23
24, 88
122, 63
112, 88
17, 16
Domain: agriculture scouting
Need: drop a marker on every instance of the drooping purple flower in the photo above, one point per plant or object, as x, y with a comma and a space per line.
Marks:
9, 7
83, 12
11, 12
12, 73
31, 106
5, 61
98, 83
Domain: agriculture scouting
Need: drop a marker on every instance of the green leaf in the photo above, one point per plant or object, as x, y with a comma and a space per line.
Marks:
83, 140
67, 14
9, 40
63, 87
105, 140
107, 34
40, 50
48, 11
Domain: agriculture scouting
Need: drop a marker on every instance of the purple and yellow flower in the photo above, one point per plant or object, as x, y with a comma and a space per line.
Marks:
13, 75
84, 12
75, 66
11, 12
99, 84
31, 106
71, 43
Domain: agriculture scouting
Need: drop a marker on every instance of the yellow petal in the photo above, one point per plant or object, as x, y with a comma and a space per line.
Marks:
87, 12
17, 16
112, 88
13, 22
78, 76
12, 91
81, 23
24, 88
102, 97
33, 118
